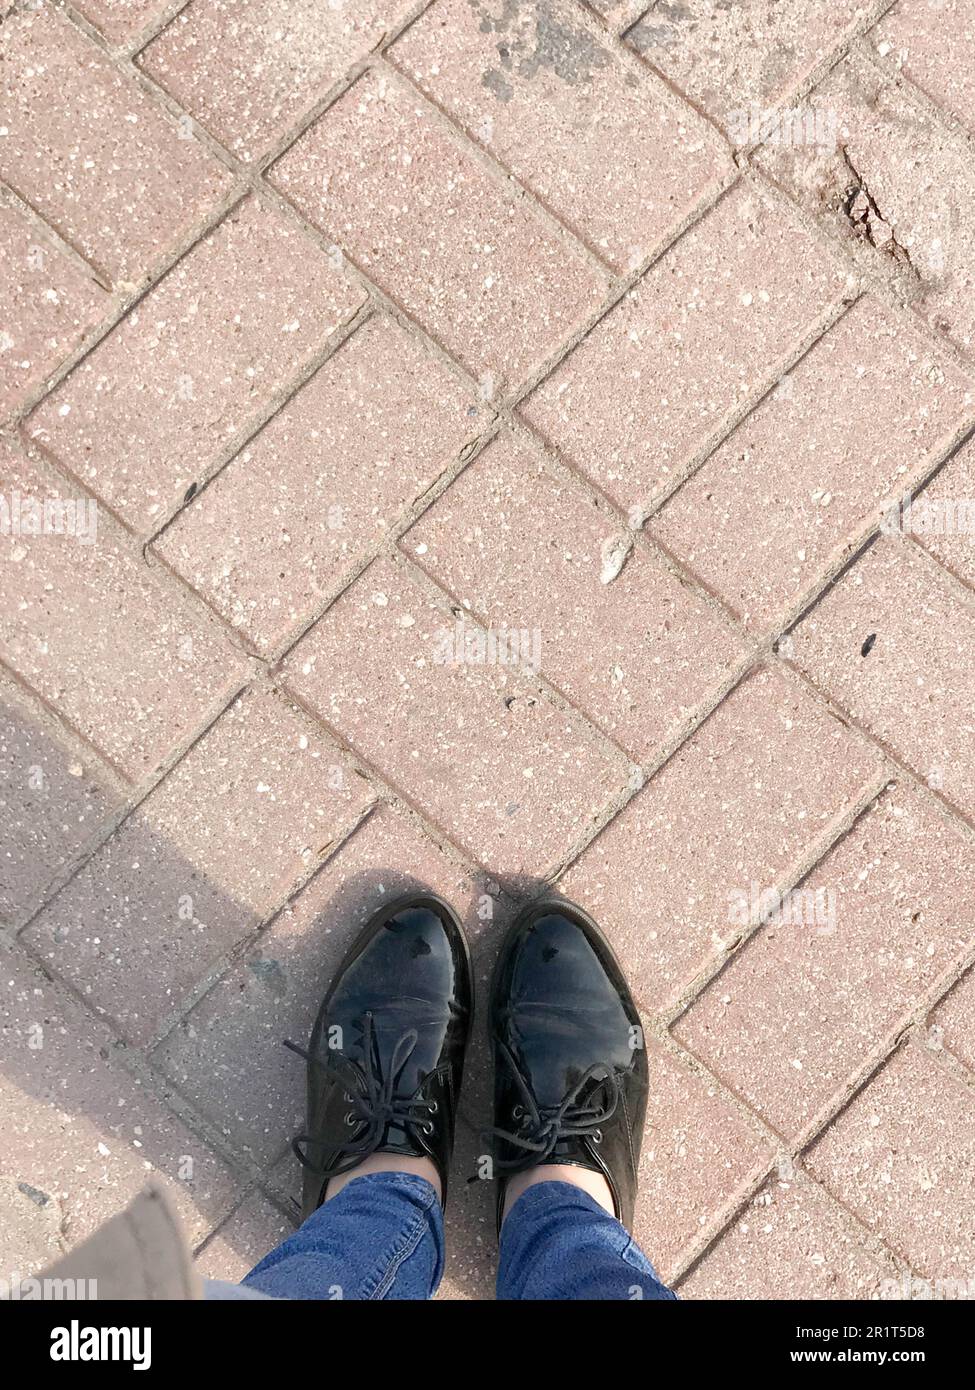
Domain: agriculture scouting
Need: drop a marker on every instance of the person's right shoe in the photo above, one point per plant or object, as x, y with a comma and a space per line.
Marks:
570, 1065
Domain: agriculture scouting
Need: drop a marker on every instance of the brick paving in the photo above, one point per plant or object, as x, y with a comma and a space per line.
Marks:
530, 444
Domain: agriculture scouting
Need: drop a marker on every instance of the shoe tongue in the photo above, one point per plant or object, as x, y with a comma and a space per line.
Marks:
573, 1151
398, 1141
415, 1063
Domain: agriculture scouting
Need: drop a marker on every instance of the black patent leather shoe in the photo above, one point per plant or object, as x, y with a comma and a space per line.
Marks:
570, 1065
386, 1054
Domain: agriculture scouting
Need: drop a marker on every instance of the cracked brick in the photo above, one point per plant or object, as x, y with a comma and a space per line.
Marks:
919, 184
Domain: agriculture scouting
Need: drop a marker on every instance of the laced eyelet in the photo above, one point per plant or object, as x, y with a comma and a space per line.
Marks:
372, 1087
517, 1112
597, 1136
434, 1107
428, 1127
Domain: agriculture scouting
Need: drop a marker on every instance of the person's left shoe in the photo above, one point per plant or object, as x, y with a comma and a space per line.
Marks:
386, 1054
570, 1065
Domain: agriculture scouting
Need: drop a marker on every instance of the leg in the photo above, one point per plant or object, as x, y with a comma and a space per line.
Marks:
380, 1237
571, 1082
559, 1243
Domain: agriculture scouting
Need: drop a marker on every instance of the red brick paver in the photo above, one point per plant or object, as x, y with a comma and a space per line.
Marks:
737, 62
92, 153
283, 55
80, 1135
619, 14
275, 992
667, 881
146, 414
705, 328
901, 1157
49, 305
477, 267
942, 516
893, 644
953, 1024
244, 1238
248, 813
790, 1242
852, 951
136, 685
511, 444
930, 40
529, 551
916, 219
323, 483
697, 1154
636, 161
795, 464
478, 743
53, 799
121, 21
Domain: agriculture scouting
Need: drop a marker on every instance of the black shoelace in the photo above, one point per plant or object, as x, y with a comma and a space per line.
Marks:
544, 1126
373, 1099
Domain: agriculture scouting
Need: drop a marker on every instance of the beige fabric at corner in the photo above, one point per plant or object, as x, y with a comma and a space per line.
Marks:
141, 1254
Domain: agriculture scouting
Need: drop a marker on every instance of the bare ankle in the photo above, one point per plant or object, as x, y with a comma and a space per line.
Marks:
584, 1178
387, 1163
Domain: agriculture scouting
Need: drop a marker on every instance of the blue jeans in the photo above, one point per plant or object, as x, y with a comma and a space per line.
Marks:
382, 1237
